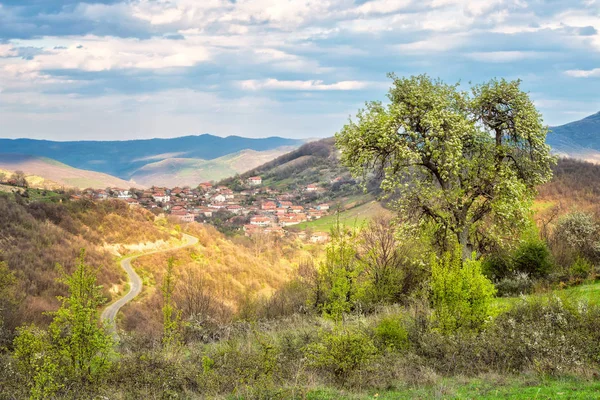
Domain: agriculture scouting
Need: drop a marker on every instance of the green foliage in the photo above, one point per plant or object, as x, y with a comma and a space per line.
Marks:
532, 257
8, 300
171, 316
392, 270
76, 331
467, 162
77, 348
391, 333
581, 268
341, 352
339, 272
460, 293
35, 359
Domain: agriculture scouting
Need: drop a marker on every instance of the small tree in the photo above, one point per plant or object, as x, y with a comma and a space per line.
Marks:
465, 163
171, 316
19, 179
391, 269
460, 293
339, 272
77, 348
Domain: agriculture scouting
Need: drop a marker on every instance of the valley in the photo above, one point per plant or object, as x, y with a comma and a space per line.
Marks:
284, 273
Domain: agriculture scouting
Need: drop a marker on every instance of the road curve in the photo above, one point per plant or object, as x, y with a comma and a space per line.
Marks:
135, 282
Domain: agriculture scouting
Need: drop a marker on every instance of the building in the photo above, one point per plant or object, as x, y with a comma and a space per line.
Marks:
268, 206
291, 219
296, 209
323, 207
254, 181
312, 188
161, 197
219, 198
235, 208
260, 221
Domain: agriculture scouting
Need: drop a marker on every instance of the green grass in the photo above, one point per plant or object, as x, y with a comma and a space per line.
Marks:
354, 217
589, 292
480, 388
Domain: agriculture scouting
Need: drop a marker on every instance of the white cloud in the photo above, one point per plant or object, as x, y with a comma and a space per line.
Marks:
433, 44
92, 53
581, 73
504, 56
7, 50
311, 85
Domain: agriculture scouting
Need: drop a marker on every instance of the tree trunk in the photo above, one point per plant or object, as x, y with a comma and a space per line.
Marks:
466, 246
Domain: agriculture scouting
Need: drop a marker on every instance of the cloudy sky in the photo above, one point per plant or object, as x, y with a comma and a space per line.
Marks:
295, 68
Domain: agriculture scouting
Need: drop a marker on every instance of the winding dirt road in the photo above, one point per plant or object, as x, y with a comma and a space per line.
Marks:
135, 282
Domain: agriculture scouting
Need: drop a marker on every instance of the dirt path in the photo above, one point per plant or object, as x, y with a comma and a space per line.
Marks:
135, 282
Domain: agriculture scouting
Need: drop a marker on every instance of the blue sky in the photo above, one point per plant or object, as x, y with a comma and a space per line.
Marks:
72, 70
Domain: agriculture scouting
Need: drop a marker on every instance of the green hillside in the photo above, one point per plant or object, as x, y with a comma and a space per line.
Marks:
191, 171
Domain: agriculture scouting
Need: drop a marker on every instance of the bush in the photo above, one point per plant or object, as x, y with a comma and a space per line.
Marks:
341, 352
581, 268
391, 334
514, 285
460, 293
579, 234
533, 257
497, 265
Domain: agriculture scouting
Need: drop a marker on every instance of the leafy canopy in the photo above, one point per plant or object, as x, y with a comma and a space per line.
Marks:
466, 162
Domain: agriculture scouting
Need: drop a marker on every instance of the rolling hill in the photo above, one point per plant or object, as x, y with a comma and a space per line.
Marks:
123, 158
188, 171
47, 173
579, 139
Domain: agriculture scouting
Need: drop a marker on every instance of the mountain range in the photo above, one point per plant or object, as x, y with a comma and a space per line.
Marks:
579, 139
189, 160
184, 160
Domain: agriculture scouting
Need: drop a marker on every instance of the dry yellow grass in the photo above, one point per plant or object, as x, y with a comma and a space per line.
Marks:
231, 272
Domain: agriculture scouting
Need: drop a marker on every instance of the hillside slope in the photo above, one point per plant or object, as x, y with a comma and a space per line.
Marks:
579, 139
55, 174
189, 171
35, 237
123, 158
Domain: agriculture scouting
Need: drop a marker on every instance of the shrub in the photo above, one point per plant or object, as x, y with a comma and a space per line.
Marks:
581, 268
514, 285
460, 293
391, 333
579, 234
341, 352
533, 257
497, 265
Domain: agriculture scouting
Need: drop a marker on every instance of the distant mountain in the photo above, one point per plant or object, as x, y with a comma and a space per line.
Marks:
579, 139
45, 172
189, 171
124, 158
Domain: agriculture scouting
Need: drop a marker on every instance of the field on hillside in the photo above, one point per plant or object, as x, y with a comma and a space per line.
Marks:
47, 173
173, 172
354, 217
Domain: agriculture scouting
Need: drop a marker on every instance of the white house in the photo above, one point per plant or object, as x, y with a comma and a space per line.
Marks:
260, 221
254, 181
161, 197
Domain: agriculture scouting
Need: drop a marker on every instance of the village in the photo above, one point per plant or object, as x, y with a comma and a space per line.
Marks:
252, 208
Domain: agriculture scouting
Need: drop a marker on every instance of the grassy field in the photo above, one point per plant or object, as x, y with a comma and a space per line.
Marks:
354, 217
589, 292
492, 387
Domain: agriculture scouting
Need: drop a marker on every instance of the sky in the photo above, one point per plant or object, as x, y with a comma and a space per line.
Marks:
109, 69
